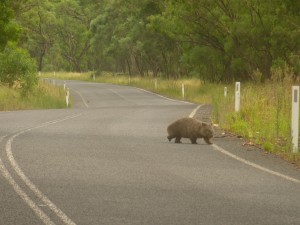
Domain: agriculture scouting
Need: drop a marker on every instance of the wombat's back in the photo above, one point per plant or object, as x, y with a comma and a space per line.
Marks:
183, 127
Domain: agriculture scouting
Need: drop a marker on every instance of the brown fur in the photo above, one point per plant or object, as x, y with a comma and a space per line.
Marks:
190, 128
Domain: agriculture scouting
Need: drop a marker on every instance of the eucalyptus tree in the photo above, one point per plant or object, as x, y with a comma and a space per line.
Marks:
220, 40
9, 30
114, 34
16, 66
229, 39
73, 30
125, 40
38, 21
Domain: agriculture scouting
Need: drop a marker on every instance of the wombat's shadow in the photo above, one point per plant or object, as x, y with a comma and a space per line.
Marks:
202, 142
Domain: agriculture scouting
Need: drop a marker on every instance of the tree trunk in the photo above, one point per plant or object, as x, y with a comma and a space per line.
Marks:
129, 67
139, 66
41, 57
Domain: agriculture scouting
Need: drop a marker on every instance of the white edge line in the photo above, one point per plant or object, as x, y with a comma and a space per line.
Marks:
223, 151
84, 101
161, 96
194, 111
29, 184
219, 149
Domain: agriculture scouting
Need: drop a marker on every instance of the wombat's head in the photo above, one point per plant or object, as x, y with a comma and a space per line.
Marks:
206, 130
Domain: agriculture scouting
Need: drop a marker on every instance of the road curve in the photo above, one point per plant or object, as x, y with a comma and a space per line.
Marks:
108, 161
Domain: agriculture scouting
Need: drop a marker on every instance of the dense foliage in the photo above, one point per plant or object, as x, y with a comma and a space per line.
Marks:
17, 68
214, 40
8, 29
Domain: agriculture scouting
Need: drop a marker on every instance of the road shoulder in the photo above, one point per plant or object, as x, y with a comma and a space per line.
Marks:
237, 146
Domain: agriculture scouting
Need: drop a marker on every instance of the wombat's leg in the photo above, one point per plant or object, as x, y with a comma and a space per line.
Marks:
177, 140
207, 141
170, 138
193, 140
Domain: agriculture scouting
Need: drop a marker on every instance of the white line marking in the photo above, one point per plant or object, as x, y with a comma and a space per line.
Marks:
46, 220
223, 151
84, 101
194, 111
121, 96
26, 180
161, 96
218, 148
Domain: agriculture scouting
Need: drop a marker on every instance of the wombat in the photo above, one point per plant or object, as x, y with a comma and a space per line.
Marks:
190, 128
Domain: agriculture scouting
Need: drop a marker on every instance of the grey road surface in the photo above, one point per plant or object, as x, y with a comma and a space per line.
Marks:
108, 161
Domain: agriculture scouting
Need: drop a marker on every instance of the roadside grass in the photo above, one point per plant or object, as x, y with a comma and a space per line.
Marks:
265, 113
67, 75
44, 96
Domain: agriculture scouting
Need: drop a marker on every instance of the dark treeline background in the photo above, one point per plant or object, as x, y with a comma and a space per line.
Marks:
214, 40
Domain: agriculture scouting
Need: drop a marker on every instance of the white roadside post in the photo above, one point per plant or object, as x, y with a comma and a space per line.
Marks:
237, 96
64, 85
225, 91
182, 90
67, 97
295, 118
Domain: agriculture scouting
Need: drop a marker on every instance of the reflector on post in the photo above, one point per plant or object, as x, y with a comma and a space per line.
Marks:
295, 118
237, 96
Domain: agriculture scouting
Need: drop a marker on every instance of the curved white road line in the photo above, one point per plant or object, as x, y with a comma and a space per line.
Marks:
82, 98
194, 111
65, 219
43, 217
219, 149
233, 156
161, 96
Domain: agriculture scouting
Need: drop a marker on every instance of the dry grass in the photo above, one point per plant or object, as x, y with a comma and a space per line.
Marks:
44, 96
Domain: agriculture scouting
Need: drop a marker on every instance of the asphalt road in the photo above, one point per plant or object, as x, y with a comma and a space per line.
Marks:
108, 161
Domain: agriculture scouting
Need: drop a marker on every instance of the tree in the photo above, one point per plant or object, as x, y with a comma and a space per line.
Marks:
38, 20
74, 32
229, 39
17, 68
122, 35
8, 29
220, 40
